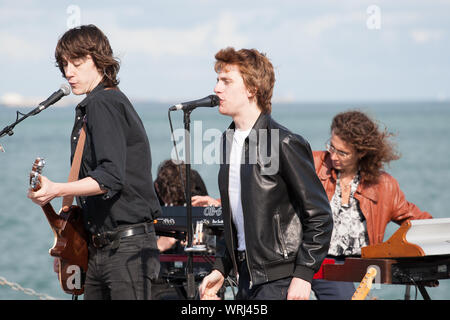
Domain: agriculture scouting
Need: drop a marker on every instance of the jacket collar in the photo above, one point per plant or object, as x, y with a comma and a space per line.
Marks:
327, 172
261, 123
252, 139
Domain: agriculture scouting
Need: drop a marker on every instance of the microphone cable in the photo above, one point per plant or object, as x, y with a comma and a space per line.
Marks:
176, 153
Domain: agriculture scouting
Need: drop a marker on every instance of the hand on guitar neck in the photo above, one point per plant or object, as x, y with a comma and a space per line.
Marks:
49, 190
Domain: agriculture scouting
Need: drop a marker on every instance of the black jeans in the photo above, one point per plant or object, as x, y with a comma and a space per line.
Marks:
124, 273
273, 290
332, 290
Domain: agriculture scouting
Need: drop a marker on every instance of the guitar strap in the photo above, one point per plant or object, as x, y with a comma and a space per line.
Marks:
75, 169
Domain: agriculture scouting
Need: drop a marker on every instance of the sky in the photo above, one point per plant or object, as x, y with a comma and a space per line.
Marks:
322, 51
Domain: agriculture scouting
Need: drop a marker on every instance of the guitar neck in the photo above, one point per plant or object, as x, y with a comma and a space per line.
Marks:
366, 284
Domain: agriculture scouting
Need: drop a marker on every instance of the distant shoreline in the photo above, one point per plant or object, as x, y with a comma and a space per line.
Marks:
70, 103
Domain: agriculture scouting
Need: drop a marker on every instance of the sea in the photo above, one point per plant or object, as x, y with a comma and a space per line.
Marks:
421, 134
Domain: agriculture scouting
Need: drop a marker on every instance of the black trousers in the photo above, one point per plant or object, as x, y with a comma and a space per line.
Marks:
124, 273
332, 290
273, 290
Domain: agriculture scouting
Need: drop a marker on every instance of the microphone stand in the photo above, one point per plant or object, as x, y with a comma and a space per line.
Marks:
190, 249
189, 266
8, 130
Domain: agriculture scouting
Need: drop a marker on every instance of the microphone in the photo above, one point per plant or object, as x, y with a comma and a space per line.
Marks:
55, 97
209, 101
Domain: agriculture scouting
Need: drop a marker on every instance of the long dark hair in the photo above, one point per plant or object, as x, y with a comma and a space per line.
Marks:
87, 40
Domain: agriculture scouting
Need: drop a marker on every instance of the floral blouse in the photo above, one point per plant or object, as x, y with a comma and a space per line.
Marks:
349, 230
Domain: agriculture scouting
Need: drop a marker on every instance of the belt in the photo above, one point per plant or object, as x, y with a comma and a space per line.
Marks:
240, 256
101, 240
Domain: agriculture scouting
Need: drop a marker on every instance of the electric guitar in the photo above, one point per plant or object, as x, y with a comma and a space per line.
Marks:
70, 246
365, 285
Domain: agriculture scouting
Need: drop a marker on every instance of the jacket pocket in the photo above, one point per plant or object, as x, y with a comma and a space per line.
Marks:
280, 236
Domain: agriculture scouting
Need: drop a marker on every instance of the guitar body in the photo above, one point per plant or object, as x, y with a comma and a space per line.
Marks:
70, 245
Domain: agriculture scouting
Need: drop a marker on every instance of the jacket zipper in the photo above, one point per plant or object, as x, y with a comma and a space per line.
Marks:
281, 237
248, 267
246, 258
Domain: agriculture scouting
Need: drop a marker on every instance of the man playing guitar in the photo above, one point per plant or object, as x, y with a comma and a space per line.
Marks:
114, 187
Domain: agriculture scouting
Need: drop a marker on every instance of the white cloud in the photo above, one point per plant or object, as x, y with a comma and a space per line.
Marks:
424, 36
226, 32
16, 47
191, 41
161, 41
315, 27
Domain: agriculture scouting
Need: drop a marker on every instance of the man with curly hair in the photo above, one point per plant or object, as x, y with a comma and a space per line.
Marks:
277, 218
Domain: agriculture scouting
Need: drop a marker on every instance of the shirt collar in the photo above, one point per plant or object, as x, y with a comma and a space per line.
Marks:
89, 96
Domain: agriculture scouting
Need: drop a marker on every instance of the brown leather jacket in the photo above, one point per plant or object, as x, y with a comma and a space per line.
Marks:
380, 203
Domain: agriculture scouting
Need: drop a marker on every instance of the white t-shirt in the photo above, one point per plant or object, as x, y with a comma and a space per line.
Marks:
234, 186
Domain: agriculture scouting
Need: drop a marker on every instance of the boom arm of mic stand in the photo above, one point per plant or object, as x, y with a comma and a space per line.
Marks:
8, 130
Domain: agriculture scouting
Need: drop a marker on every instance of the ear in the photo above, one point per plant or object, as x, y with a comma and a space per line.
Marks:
251, 93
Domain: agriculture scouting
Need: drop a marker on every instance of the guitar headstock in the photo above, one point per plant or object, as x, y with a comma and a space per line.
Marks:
366, 284
36, 171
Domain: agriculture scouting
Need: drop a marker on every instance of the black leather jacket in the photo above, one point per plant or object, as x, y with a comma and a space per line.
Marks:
287, 215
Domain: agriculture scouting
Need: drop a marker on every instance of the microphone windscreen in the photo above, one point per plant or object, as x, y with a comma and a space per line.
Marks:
215, 100
65, 89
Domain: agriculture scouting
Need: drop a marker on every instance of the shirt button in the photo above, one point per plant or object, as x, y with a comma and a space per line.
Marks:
74, 138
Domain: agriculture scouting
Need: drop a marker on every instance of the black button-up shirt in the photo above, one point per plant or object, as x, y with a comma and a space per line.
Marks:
117, 155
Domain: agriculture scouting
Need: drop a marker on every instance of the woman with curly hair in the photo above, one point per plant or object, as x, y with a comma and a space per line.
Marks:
363, 197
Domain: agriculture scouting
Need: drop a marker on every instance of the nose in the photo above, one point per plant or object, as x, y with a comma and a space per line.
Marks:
68, 70
218, 88
333, 156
